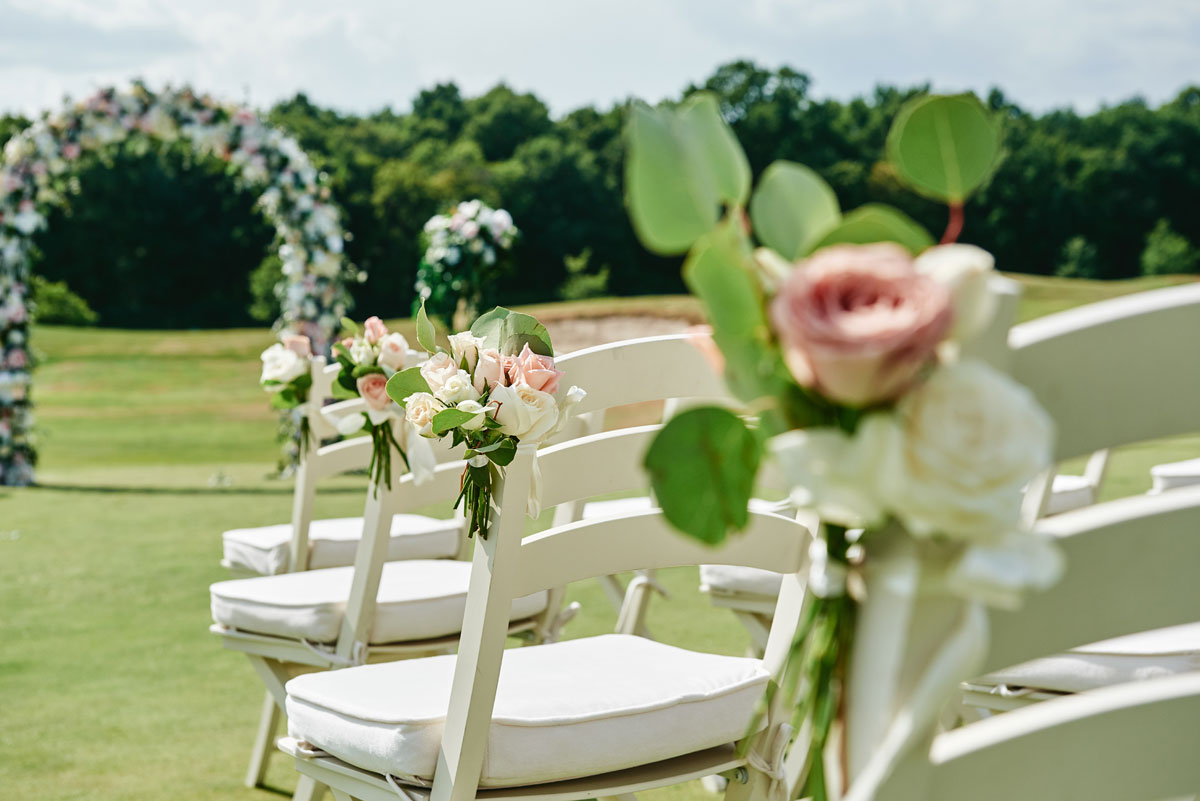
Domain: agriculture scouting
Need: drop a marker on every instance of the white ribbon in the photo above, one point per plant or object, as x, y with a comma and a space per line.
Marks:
826, 578
533, 504
420, 455
768, 756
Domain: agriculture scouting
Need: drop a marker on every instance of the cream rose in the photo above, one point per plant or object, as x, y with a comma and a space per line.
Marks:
960, 450
465, 345
393, 351
419, 410
361, 352
835, 474
438, 370
523, 412
282, 365
475, 408
489, 369
965, 270
456, 389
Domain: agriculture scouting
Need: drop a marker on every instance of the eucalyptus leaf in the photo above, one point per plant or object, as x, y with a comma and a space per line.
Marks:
670, 191
508, 331
504, 453
426, 333
718, 146
876, 222
944, 146
715, 273
490, 326
365, 369
702, 466
350, 325
792, 209
447, 419
405, 383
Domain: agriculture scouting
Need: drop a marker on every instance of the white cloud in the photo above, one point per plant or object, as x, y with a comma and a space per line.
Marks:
370, 53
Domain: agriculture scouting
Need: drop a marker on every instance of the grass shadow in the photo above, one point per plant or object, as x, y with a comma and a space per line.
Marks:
136, 490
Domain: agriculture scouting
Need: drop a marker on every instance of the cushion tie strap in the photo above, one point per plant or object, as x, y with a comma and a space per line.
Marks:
357, 657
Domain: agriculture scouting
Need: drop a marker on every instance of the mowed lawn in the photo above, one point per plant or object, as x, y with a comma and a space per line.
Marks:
152, 444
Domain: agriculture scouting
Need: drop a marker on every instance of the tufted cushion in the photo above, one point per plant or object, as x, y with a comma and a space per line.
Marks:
742, 580
1069, 492
332, 542
565, 710
1146, 655
418, 599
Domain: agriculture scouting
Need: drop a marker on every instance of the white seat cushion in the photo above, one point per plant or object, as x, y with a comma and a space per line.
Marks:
418, 599
641, 503
565, 710
332, 542
1069, 492
1146, 655
738, 579
1175, 475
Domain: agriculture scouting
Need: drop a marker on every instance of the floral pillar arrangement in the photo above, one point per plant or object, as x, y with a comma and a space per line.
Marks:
844, 334
465, 253
37, 173
497, 387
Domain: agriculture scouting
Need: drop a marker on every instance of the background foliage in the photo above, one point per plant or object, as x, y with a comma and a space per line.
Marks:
158, 239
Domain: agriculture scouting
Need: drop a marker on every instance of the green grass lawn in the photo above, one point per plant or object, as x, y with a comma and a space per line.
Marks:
152, 444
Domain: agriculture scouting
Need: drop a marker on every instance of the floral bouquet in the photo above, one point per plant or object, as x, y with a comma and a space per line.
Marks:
496, 388
464, 252
849, 335
287, 375
369, 357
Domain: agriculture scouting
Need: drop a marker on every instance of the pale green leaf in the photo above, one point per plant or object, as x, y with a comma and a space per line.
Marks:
944, 147
719, 149
426, 333
876, 222
792, 209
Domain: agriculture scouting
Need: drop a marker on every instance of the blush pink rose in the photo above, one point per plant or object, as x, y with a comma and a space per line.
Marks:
373, 388
374, 330
534, 371
16, 359
298, 344
858, 323
700, 337
490, 370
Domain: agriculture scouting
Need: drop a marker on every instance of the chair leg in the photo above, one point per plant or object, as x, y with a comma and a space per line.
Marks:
309, 789
264, 741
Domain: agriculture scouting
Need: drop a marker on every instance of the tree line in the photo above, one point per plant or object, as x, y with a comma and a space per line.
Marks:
159, 238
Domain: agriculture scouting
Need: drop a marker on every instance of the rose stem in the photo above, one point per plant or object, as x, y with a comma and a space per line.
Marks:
954, 225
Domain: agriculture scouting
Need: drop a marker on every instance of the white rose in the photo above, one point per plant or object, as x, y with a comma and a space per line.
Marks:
456, 389
965, 270
419, 410
438, 370
475, 408
361, 352
393, 351
523, 412
960, 451
282, 365
835, 474
465, 345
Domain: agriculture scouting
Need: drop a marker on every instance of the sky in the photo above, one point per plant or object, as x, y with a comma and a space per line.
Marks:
363, 55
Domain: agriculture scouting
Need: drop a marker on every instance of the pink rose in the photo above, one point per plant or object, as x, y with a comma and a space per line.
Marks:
373, 388
298, 344
534, 371
858, 323
16, 359
489, 370
374, 330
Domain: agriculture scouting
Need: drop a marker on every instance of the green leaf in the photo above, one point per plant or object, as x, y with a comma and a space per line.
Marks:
503, 454
365, 369
718, 147
671, 194
714, 272
944, 146
302, 381
350, 325
508, 331
405, 383
426, 333
876, 222
284, 400
702, 466
447, 419
792, 209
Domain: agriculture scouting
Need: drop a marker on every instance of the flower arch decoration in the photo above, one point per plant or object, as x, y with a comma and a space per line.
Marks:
37, 173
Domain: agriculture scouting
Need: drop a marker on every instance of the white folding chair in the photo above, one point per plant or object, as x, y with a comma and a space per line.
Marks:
600, 716
1131, 566
305, 543
287, 623
1173, 475
1093, 369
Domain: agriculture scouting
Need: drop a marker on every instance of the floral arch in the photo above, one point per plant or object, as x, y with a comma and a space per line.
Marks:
37, 173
